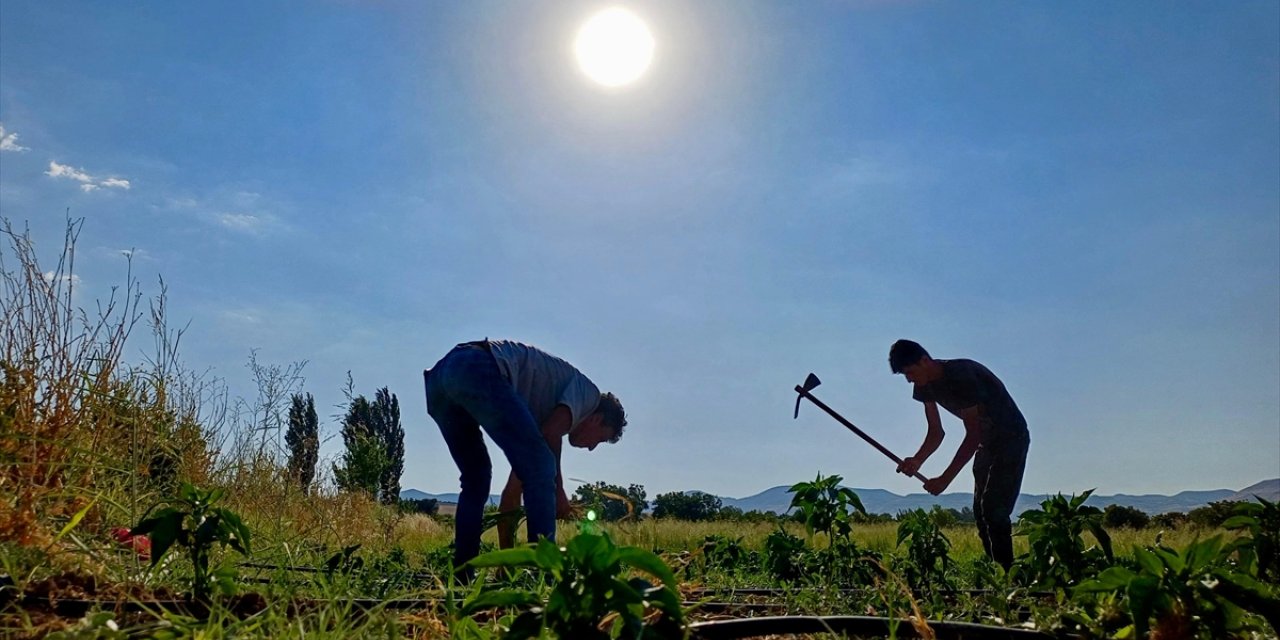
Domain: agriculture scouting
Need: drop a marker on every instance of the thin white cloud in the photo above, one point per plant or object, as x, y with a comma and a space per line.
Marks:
241, 222
235, 210
50, 276
64, 171
241, 316
87, 182
9, 141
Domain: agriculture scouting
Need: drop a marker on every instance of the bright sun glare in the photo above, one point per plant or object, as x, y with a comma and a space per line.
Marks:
614, 47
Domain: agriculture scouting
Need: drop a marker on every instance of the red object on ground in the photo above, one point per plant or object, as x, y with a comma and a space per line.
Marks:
140, 544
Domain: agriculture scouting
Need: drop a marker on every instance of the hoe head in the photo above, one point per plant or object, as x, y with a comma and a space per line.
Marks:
809, 383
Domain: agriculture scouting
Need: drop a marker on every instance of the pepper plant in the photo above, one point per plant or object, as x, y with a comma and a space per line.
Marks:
1058, 556
194, 523
1259, 547
589, 589
928, 550
1197, 592
823, 506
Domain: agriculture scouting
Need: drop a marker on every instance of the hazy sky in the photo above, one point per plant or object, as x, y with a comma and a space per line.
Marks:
1083, 196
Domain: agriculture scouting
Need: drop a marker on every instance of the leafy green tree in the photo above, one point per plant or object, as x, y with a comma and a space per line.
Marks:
730, 513
611, 502
303, 440
429, 506
1118, 516
374, 440
364, 459
681, 505
1169, 520
1212, 515
384, 415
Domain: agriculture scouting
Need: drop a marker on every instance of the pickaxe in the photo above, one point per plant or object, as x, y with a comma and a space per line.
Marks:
813, 381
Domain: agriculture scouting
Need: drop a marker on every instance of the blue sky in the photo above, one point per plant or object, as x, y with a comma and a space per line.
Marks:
1083, 196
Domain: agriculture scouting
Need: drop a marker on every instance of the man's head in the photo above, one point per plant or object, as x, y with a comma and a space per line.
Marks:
605, 424
912, 361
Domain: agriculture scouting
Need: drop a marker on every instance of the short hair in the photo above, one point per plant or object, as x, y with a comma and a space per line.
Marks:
610, 409
905, 353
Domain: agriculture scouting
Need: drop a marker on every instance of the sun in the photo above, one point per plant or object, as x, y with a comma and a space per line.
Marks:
614, 47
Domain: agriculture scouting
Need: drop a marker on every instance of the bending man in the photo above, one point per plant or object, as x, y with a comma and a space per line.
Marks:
527, 400
995, 437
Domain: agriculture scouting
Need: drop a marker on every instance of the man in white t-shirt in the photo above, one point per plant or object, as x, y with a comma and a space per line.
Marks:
527, 400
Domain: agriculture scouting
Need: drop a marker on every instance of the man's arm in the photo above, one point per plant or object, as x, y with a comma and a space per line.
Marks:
972, 438
932, 438
510, 501
554, 429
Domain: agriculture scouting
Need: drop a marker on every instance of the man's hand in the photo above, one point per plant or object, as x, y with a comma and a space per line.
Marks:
910, 466
565, 509
937, 485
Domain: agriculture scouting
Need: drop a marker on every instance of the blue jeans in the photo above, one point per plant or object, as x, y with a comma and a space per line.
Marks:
465, 392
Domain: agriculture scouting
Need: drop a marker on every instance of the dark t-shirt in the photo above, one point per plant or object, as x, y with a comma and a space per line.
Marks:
966, 383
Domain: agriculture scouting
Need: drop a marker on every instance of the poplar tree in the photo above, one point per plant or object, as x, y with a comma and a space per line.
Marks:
364, 459
303, 440
385, 416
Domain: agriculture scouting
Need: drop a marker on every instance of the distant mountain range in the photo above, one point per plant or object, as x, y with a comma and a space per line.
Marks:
778, 499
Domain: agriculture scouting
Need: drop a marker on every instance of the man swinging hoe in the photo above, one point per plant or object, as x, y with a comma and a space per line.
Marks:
995, 436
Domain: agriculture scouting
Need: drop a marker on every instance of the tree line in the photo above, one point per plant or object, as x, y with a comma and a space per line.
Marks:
613, 502
373, 440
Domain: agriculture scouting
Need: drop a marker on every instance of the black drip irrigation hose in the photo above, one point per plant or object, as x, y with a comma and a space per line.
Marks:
778, 592
855, 626
859, 626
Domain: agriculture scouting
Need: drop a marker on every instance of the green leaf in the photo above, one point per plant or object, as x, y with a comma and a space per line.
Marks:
625, 593
648, 562
1239, 522
164, 529
522, 557
75, 519
1149, 562
1112, 579
501, 598
1142, 594
1200, 555
1171, 559
146, 525
549, 557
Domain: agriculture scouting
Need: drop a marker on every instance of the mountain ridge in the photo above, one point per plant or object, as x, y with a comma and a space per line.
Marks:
778, 499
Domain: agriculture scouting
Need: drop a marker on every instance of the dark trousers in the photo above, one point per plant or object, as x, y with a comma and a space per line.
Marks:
997, 475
